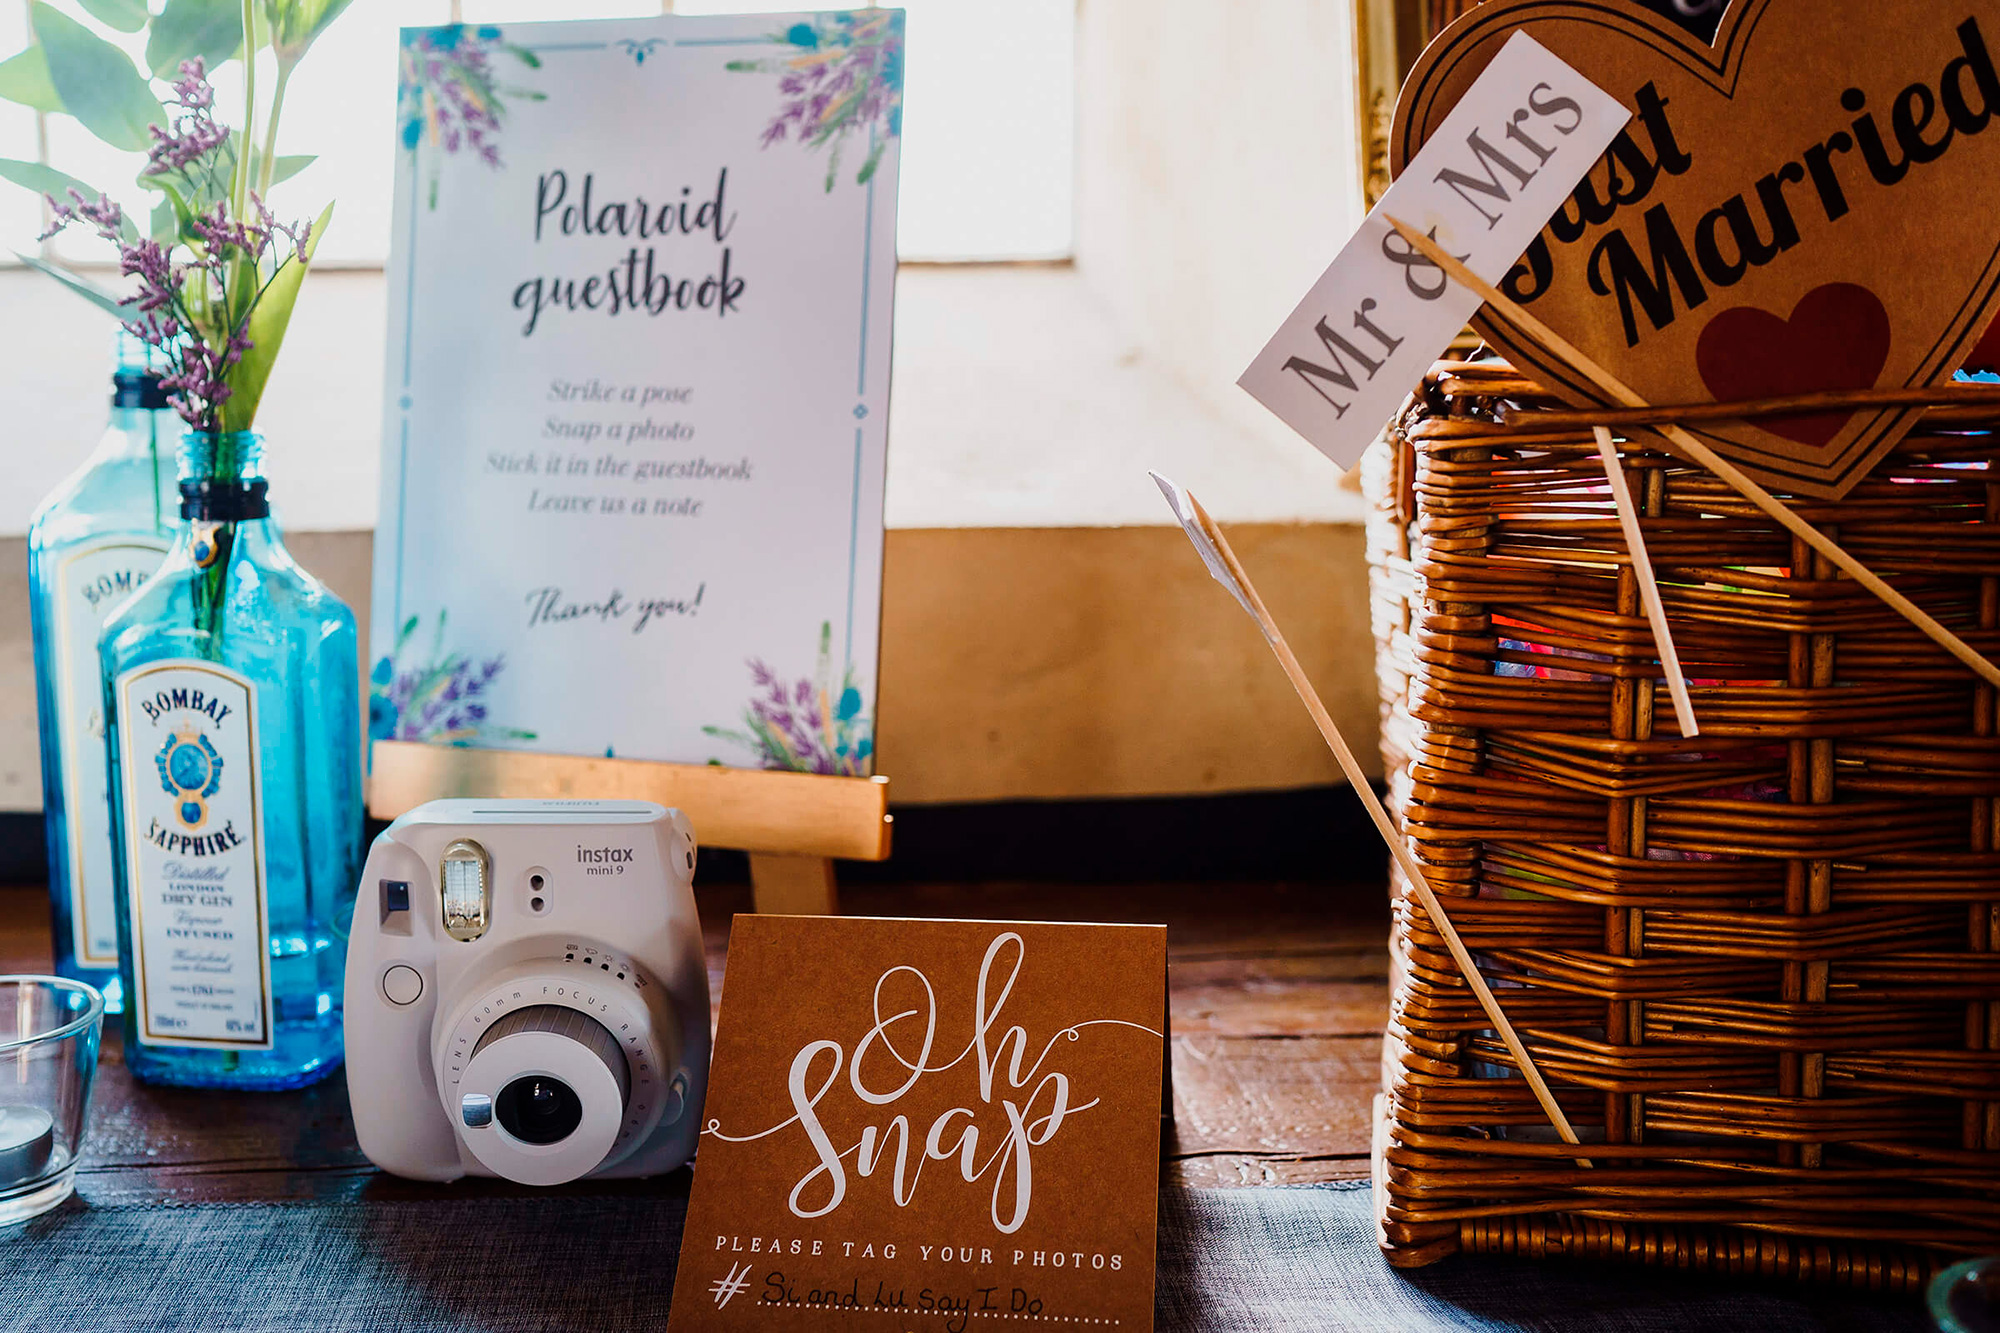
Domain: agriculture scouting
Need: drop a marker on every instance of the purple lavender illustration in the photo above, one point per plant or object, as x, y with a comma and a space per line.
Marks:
440, 699
447, 93
842, 77
804, 725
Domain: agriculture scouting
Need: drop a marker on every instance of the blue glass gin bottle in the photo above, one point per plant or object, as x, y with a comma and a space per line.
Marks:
232, 693
91, 544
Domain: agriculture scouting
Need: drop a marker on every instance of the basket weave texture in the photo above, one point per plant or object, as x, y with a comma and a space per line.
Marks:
1760, 968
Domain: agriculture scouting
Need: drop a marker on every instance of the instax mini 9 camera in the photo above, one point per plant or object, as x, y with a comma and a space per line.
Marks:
526, 995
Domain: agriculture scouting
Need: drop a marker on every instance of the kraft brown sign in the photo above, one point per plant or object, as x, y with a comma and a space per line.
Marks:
929, 1126
1811, 204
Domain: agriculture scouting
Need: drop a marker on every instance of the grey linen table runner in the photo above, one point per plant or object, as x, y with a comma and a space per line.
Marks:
1231, 1261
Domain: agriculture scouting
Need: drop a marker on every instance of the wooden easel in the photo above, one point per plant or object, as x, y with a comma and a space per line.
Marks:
792, 824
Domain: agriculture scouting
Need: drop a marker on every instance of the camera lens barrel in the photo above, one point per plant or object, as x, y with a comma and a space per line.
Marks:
559, 1085
562, 1021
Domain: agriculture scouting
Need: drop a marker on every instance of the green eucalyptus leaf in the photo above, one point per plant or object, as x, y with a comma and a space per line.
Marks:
266, 331
874, 161
165, 225
95, 80
210, 29
89, 291
24, 78
183, 215
283, 167
47, 180
124, 15
43, 179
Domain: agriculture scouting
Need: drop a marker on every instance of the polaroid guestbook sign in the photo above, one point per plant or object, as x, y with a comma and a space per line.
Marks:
929, 1127
637, 393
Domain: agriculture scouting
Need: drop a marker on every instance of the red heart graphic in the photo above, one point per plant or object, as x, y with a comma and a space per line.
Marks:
1800, 148
1985, 355
1837, 338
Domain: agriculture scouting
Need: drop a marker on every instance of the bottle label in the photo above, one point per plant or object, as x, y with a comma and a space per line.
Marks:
194, 855
90, 584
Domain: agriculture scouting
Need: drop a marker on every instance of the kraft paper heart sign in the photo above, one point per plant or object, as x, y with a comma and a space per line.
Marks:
1811, 204
933, 1126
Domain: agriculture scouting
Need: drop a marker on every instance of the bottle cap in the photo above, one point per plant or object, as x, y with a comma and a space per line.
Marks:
140, 389
204, 499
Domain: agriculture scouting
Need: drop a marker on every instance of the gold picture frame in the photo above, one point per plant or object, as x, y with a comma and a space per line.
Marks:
1388, 34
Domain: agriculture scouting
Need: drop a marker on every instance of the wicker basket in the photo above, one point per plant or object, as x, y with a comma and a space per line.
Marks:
1760, 968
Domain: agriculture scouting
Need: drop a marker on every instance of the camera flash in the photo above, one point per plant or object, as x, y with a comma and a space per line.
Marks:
462, 876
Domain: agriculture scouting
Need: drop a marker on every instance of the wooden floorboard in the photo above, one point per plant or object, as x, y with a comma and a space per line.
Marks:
1279, 994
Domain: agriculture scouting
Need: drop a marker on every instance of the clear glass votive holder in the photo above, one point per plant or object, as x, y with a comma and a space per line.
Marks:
49, 1031
1965, 1298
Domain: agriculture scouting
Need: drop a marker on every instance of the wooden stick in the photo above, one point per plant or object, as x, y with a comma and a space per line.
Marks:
1649, 588
1701, 453
1398, 847
1829, 400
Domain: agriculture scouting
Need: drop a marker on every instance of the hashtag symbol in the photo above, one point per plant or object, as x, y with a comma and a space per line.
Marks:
725, 1288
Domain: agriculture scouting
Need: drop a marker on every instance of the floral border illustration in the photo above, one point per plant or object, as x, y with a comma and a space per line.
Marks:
805, 725
439, 698
448, 95
842, 77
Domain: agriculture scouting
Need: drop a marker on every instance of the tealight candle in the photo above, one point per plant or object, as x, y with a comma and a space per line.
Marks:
27, 1141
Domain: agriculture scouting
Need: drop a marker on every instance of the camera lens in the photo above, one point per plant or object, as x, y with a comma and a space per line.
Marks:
559, 1082
538, 1109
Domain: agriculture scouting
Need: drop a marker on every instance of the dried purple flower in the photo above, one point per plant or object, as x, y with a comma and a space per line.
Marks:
192, 89
221, 248
102, 214
195, 133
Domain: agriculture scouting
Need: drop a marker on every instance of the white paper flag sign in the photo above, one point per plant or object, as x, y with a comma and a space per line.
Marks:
1182, 504
1505, 158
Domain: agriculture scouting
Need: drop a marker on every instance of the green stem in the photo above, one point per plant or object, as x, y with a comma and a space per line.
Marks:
239, 186
211, 588
211, 592
228, 463
270, 162
153, 449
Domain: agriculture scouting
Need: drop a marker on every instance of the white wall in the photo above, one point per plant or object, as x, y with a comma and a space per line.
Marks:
1216, 178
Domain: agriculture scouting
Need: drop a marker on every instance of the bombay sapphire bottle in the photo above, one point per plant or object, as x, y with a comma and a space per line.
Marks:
232, 693
90, 546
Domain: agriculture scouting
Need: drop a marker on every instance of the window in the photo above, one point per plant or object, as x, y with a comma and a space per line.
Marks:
975, 185
1024, 396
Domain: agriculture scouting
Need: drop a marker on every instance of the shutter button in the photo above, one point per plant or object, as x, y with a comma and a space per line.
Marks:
402, 984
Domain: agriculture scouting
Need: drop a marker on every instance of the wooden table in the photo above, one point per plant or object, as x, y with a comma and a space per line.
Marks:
1279, 997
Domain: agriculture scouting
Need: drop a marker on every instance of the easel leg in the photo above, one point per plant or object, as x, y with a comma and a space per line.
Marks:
793, 885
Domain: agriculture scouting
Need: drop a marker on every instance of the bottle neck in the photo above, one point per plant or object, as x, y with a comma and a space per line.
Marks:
222, 477
137, 433
143, 424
